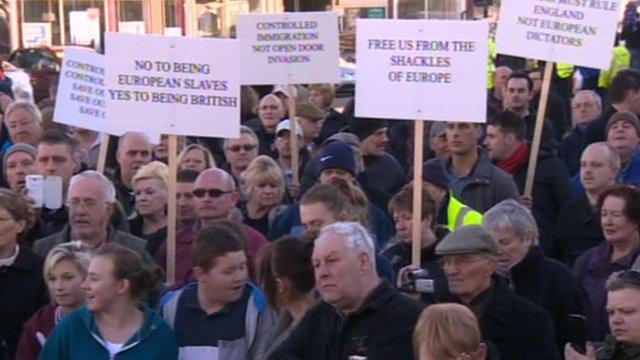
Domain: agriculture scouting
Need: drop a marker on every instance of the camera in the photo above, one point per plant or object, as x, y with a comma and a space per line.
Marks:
419, 281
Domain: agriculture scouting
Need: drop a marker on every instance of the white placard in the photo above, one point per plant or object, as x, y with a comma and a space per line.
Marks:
36, 34
173, 85
81, 92
81, 99
421, 69
85, 27
289, 48
579, 32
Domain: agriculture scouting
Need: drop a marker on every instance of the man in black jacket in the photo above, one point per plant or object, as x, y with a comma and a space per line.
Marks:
548, 283
518, 328
510, 151
359, 315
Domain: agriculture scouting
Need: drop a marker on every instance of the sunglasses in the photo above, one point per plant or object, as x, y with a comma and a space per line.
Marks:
631, 277
237, 148
214, 193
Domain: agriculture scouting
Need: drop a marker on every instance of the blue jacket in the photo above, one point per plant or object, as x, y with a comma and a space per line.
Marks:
77, 337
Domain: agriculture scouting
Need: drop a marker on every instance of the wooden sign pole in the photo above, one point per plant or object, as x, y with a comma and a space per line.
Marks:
293, 139
418, 145
537, 135
102, 155
172, 209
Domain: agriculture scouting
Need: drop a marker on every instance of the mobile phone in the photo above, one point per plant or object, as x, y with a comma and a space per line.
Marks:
578, 332
35, 189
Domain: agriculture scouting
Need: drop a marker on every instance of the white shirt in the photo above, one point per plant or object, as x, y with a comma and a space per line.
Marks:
113, 348
10, 260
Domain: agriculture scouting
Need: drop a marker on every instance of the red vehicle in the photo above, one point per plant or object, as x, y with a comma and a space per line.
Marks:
43, 66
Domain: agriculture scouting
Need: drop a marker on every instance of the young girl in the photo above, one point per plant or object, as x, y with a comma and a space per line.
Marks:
114, 324
65, 269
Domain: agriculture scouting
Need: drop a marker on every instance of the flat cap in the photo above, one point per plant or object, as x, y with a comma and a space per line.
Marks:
468, 240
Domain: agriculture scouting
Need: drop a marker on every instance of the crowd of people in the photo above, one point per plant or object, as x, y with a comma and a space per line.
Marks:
313, 260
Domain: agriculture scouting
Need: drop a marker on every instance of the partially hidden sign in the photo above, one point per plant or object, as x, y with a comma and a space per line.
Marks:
579, 32
81, 97
289, 48
421, 69
173, 85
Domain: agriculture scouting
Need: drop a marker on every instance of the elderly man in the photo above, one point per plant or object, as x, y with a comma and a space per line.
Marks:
19, 161
91, 200
24, 122
548, 283
578, 226
472, 178
270, 112
623, 306
586, 106
134, 151
240, 152
509, 150
494, 97
359, 314
517, 327
215, 197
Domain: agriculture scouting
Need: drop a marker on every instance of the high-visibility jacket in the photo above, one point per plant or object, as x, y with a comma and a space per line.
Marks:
491, 62
564, 70
459, 214
621, 60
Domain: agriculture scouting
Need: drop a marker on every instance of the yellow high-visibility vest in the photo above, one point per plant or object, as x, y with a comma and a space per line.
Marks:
621, 60
459, 214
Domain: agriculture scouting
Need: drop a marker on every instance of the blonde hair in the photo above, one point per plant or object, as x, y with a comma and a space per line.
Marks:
447, 331
262, 169
153, 170
208, 158
328, 92
75, 252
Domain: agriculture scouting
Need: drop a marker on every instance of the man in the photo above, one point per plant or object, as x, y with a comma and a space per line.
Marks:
55, 158
438, 139
91, 200
283, 147
623, 135
282, 93
89, 141
578, 226
383, 170
220, 315
240, 152
322, 95
359, 314
310, 119
495, 95
518, 328
451, 213
509, 150
548, 283
472, 178
556, 110
623, 94
270, 112
215, 196
134, 151
517, 98
19, 161
187, 215
24, 122
586, 106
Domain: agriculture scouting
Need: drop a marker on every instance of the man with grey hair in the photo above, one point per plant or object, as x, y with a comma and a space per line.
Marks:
240, 152
547, 282
586, 106
24, 122
518, 328
91, 199
134, 152
359, 315
578, 226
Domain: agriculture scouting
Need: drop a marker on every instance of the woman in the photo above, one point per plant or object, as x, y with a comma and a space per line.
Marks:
620, 220
65, 269
150, 185
195, 157
263, 185
114, 323
286, 275
22, 289
448, 332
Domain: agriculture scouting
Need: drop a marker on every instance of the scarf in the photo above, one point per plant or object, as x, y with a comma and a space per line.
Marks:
517, 160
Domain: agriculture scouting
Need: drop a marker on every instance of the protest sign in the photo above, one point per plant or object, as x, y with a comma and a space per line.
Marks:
289, 48
81, 92
421, 69
579, 32
173, 85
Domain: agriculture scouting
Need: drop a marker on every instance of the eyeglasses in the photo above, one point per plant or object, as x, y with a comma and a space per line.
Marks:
214, 193
630, 277
237, 148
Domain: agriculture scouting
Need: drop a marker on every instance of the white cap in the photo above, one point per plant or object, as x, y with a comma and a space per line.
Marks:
286, 125
285, 90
